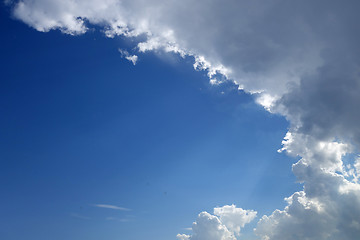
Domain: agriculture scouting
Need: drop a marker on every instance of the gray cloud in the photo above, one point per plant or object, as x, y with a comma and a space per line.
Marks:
325, 104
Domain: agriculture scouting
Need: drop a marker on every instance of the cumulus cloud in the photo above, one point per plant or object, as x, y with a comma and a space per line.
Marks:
209, 227
225, 224
300, 59
234, 218
327, 208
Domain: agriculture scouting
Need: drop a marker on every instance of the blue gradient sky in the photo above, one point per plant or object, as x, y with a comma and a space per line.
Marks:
80, 126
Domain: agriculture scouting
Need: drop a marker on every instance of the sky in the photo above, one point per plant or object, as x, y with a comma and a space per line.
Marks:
127, 120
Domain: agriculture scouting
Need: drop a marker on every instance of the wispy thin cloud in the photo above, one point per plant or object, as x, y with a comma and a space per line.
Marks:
111, 207
125, 54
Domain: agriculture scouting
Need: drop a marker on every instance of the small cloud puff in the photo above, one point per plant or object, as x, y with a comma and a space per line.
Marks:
125, 54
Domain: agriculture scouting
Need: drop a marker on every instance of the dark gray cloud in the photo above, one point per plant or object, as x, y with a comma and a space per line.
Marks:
326, 103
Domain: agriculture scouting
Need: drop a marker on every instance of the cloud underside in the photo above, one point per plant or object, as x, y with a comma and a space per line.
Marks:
300, 59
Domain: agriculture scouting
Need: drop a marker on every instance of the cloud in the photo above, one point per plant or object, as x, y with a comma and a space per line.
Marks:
182, 237
125, 54
240, 39
325, 104
225, 224
329, 205
208, 227
111, 207
300, 59
234, 218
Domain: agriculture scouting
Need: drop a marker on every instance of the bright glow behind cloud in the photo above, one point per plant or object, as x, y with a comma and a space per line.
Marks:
302, 60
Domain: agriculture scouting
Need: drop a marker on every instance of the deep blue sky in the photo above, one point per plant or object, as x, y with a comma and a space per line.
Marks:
79, 126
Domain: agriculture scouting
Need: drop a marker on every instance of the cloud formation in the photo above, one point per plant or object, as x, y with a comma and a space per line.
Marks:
234, 218
225, 224
300, 59
327, 208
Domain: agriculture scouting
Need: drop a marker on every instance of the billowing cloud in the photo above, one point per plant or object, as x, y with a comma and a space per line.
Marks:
225, 224
234, 218
300, 59
208, 227
329, 205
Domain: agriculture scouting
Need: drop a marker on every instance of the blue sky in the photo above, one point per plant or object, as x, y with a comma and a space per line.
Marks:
82, 126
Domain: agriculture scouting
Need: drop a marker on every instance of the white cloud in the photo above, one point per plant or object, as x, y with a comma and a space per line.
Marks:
132, 58
111, 207
208, 227
234, 218
225, 224
183, 237
125, 54
321, 154
328, 208
300, 58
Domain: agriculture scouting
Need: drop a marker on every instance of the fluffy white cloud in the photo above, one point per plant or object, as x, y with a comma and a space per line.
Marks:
225, 224
209, 227
234, 218
328, 208
329, 205
300, 58
321, 154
